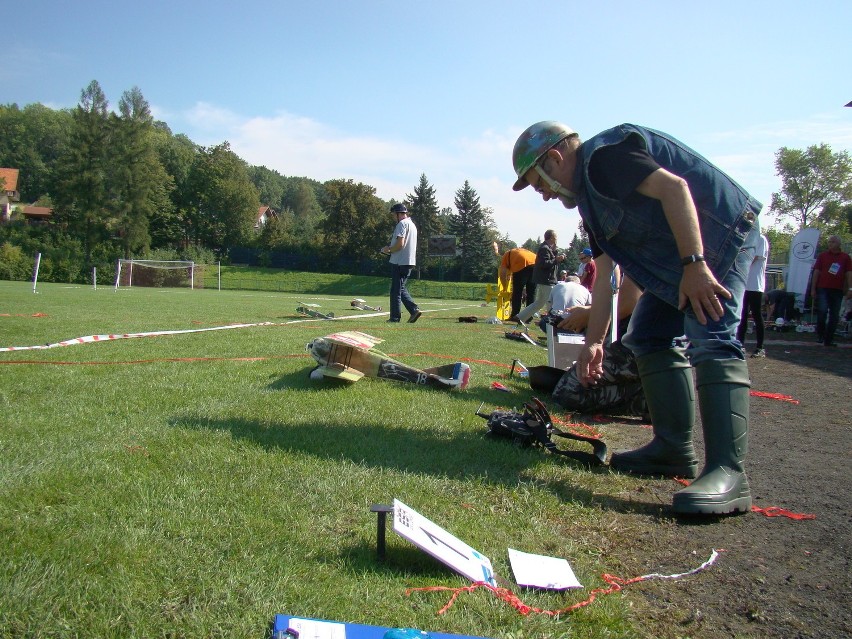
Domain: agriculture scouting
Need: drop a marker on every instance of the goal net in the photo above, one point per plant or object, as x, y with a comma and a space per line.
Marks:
158, 273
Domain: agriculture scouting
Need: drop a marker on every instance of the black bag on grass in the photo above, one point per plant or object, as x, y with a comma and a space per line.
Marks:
534, 427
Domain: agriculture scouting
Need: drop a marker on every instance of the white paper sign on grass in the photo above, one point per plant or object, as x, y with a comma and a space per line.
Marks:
540, 571
443, 546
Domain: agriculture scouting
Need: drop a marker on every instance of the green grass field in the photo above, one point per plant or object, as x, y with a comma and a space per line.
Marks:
196, 484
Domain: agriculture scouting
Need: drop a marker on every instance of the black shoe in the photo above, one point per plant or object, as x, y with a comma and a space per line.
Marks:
414, 316
393, 321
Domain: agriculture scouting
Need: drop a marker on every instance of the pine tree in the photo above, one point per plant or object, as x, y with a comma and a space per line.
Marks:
81, 198
140, 186
423, 208
472, 224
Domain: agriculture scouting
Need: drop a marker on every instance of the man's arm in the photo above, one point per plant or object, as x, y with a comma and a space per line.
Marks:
504, 276
814, 278
398, 243
698, 286
590, 360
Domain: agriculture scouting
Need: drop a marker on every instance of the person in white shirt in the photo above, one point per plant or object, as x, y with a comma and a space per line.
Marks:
403, 256
753, 298
568, 292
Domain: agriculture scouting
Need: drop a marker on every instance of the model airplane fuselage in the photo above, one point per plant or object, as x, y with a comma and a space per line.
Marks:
362, 305
309, 310
350, 355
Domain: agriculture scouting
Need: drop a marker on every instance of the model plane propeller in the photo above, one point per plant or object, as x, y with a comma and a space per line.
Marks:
309, 310
351, 355
362, 305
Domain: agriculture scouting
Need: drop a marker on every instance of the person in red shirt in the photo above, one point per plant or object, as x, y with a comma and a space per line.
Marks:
830, 283
589, 274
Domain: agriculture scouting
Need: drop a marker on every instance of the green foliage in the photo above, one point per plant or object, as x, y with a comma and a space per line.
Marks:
423, 208
816, 185
140, 186
224, 202
473, 227
269, 185
572, 254
14, 264
83, 189
33, 140
357, 223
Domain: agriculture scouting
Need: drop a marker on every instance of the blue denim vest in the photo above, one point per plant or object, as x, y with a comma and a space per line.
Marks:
638, 236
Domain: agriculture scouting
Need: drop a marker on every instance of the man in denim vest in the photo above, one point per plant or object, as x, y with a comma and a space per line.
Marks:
685, 233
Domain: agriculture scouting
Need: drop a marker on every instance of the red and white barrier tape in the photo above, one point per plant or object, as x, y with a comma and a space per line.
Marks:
105, 338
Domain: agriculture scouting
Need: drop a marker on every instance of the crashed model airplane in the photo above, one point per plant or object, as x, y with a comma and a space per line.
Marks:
362, 305
350, 356
309, 310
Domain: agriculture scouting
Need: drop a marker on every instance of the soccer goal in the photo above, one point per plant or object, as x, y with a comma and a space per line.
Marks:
157, 273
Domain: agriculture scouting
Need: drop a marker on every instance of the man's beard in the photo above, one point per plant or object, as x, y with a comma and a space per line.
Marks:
568, 201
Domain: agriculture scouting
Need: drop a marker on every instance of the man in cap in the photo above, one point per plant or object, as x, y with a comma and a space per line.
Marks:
685, 233
589, 275
403, 256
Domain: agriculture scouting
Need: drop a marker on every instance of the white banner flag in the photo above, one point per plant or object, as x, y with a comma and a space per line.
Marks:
802, 258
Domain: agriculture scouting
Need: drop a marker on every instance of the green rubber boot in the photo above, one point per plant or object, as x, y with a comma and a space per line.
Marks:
723, 397
667, 382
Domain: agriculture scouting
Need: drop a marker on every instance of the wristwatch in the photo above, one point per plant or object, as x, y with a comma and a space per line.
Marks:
689, 259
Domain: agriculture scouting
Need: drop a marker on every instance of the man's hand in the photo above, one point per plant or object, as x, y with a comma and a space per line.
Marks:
702, 291
590, 364
577, 319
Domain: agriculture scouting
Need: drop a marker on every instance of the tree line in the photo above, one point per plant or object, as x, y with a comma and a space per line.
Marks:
122, 185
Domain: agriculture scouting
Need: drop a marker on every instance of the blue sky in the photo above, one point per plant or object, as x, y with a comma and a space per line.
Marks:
381, 92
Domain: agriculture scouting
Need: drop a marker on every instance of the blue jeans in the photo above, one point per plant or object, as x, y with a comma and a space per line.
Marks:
398, 292
828, 302
655, 324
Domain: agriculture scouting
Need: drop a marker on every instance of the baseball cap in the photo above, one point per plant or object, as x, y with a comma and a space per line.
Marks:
587, 251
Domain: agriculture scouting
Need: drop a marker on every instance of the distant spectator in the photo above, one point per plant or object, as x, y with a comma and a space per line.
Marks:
753, 298
590, 274
831, 282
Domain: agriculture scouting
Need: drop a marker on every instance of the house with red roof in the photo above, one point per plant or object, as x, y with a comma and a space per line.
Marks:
264, 214
8, 192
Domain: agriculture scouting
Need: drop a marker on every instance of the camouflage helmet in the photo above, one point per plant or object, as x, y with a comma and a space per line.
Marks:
533, 144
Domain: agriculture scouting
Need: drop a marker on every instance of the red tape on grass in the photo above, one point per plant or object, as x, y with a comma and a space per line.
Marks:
778, 396
775, 511
506, 595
